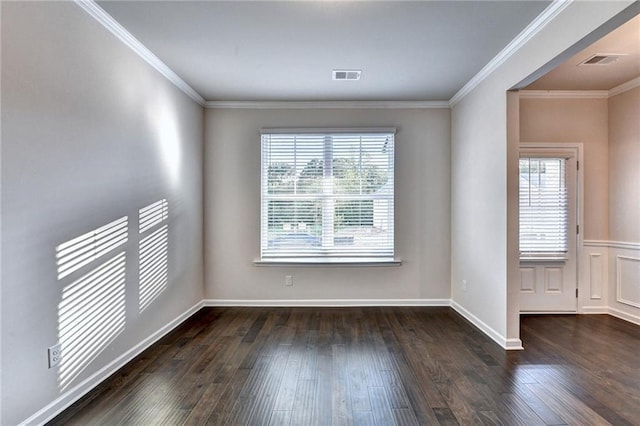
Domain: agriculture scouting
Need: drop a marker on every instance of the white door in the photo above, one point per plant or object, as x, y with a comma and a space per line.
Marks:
548, 230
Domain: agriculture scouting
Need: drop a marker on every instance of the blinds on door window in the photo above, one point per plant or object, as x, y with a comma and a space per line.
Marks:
327, 194
543, 206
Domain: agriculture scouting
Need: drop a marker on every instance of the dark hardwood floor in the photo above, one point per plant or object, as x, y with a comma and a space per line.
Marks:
372, 366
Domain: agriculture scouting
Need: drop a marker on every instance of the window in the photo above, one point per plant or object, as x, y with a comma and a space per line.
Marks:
543, 207
327, 194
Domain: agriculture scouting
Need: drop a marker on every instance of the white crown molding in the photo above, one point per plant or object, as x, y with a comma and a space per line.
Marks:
99, 14
625, 87
327, 104
72, 395
580, 94
328, 303
547, 15
564, 94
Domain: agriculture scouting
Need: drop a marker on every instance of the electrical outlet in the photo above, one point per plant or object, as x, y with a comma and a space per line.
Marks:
288, 280
464, 285
55, 354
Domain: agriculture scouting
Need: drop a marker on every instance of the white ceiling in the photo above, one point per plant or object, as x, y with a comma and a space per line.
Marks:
570, 75
286, 50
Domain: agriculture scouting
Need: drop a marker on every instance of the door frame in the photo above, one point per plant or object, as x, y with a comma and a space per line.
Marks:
563, 148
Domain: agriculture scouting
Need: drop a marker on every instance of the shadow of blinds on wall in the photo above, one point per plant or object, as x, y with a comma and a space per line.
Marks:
91, 313
153, 252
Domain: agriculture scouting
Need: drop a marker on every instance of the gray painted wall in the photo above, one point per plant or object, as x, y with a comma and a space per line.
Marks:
232, 209
484, 192
90, 133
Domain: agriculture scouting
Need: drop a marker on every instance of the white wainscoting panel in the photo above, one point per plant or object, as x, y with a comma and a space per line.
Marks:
628, 280
593, 283
624, 280
595, 275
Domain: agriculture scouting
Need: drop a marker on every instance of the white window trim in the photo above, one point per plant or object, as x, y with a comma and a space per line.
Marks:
328, 261
552, 149
553, 251
321, 130
349, 260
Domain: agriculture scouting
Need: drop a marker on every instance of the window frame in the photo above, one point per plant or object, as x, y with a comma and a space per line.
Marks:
325, 255
559, 252
568, 150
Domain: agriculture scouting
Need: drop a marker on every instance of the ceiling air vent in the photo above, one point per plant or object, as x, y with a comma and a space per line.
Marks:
602, 59
346, 74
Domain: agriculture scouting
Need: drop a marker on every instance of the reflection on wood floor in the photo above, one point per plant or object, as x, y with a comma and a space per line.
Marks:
372, 366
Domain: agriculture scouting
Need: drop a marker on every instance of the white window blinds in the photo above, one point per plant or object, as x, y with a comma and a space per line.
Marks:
327, 194
543, 206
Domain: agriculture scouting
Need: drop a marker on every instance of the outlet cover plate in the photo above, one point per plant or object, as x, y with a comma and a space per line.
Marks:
55, 354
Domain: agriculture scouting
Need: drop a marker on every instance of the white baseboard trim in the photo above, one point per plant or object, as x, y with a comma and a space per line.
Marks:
508, 344
513, 345
72, 395
635, 319
594, 310
325, 302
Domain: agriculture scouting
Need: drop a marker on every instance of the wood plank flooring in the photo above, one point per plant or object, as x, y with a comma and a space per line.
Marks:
372, 366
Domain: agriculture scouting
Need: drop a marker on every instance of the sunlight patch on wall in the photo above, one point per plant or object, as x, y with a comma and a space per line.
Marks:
153, 253
153, 214
92, 310
163, 121
82, 250
90, 316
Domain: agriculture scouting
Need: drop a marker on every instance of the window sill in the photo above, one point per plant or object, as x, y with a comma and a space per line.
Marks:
323, 261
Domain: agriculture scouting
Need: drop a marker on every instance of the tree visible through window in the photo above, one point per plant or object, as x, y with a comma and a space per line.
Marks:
327, 194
